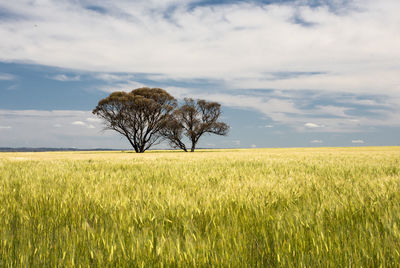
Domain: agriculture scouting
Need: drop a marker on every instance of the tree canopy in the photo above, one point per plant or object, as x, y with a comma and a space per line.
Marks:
139, 115
194, 119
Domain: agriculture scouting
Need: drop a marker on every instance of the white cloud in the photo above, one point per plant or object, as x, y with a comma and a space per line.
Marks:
316, 141
93, 119
83, 124
65, 78
57, 125
78, 123
311, 125
123, 86
268, 126
5, 127
113, 77
357, 141
243, 43
4, 76
178, 92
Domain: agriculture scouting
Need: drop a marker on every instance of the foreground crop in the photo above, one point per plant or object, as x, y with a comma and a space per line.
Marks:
273, 207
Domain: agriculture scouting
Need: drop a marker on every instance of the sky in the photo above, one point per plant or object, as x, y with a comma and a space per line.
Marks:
288, 73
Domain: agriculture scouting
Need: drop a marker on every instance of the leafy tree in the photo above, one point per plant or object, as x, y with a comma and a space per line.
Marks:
139, 115
193, 119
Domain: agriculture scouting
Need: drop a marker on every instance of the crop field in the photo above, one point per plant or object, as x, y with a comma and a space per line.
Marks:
306, 207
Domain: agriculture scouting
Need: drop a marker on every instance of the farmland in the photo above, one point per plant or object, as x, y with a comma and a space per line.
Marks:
300, 207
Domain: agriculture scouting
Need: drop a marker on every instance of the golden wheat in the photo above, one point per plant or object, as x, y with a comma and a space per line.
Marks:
328, 207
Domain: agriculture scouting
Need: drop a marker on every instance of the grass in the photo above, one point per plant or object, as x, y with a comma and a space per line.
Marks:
326, 207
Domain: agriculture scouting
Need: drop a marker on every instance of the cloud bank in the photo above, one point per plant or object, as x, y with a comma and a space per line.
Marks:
349, 46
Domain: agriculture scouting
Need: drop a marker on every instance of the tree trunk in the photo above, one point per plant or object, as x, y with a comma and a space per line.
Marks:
181, 145
141, 148
193, 146
131, 142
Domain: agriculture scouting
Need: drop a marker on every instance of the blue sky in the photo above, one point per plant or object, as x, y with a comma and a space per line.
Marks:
287, 73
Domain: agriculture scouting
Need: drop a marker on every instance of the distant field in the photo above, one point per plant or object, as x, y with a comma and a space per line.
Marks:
326, 207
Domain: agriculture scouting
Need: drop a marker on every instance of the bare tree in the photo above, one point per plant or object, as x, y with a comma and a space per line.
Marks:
139, 115
193, 119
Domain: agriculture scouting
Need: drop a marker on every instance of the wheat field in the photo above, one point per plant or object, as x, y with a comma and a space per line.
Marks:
300, 207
